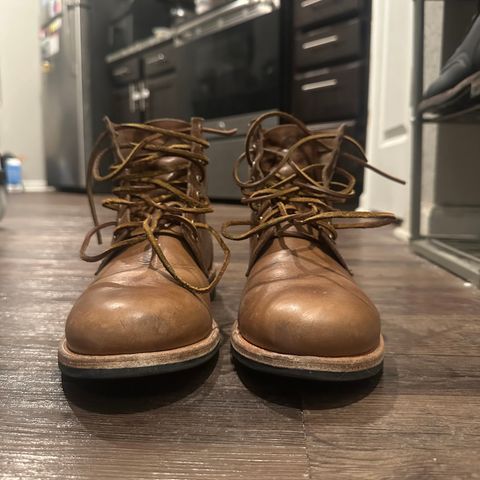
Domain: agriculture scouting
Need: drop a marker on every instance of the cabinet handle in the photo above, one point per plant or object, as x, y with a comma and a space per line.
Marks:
143, 96
319, 85
309, 3
121, 72
320, 41
133, 97
160, 57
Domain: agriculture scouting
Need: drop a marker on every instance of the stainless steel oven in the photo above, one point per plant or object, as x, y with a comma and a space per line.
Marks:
229, 60
228, 70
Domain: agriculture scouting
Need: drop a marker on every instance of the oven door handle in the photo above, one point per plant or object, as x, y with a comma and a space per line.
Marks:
157, 58
222, 18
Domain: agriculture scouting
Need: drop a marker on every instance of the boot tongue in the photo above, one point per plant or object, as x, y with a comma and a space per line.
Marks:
170, 167
131, 134
169, 124
174, 164
128, 136
281, 139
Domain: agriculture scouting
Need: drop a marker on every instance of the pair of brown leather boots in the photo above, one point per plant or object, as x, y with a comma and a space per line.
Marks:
148, 310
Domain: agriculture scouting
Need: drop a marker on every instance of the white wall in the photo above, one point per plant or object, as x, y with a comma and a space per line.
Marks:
20, 87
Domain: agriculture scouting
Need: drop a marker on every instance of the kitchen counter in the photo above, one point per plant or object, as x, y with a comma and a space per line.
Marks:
138, 47
232, 14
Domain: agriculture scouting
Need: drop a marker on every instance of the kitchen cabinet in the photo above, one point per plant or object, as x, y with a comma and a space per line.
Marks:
224, 66
162, 99
144, 86
310, 58
125, 76
330, 67
122, 109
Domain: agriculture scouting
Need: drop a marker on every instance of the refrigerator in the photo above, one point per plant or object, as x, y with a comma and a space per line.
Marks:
75, 82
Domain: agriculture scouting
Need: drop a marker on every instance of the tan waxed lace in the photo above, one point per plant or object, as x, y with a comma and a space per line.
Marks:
280, 201
147, 205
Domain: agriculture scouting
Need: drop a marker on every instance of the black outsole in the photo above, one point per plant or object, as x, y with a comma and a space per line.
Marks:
116, 373
315, 375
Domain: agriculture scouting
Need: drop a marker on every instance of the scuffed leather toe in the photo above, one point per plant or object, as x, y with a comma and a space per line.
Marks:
309, 317
300, 299
112, 319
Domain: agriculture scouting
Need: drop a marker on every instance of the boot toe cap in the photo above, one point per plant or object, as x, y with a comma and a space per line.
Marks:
304, 320
113, 319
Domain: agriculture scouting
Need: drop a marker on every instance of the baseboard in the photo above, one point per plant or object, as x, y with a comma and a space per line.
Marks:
452, 221
37, 186
402, 233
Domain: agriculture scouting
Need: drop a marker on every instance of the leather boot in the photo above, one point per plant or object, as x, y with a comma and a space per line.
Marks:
301, 313
148, 309
456, 88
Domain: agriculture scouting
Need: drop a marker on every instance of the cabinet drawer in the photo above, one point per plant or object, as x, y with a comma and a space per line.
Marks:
308, 12
125, 72
330, 94
159, 60
162, 102
324, 45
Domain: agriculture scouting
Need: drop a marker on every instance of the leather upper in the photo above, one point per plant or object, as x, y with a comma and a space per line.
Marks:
151, 292
300, 298
134, 307
300, 301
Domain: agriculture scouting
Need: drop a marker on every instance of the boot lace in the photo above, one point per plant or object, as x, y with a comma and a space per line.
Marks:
150, 197
307, 197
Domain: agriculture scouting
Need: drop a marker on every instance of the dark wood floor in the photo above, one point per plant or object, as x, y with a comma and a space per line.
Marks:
421, 419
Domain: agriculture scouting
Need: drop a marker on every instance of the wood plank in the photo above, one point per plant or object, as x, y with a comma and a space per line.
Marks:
200, 424
419, 420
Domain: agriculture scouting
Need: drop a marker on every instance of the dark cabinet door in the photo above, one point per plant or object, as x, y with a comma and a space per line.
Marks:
123, 111
163, 101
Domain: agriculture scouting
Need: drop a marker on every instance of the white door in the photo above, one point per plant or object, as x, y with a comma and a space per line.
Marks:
389, 116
